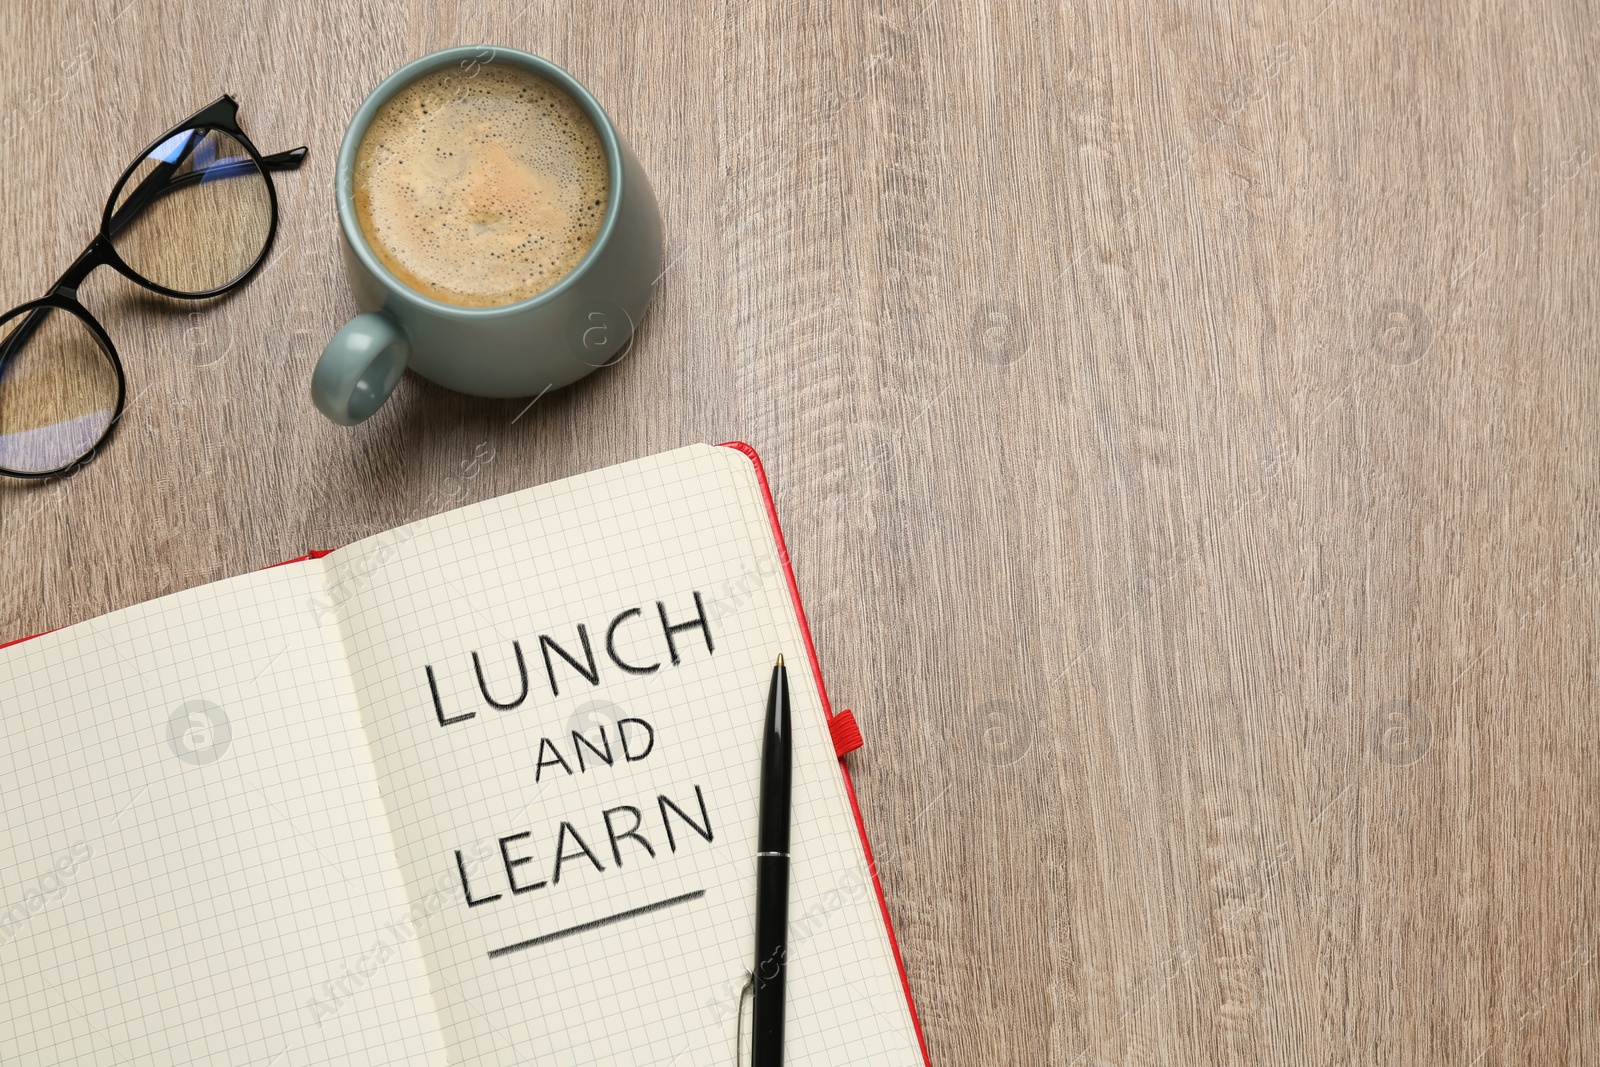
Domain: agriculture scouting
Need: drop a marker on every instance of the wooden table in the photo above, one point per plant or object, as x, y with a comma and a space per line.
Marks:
1184, 424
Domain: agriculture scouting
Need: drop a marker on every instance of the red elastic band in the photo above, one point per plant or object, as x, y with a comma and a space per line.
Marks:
846, 734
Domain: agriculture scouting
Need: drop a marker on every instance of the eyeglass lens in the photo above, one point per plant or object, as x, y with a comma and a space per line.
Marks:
58, 390
194, 215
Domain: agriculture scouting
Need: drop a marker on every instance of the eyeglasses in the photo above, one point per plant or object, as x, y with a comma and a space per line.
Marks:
192, 217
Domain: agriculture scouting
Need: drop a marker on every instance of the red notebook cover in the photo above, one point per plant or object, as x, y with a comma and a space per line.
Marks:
846, 736
827, 707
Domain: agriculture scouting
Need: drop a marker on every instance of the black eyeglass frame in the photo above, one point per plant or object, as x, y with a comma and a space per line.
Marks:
222, 116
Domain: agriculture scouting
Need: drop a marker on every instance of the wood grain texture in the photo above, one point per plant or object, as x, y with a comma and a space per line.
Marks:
1183, 420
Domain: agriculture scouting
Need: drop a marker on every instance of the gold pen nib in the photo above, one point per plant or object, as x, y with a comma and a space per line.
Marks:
780, 660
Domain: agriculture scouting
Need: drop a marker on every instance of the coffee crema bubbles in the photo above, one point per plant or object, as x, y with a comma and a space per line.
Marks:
481, 189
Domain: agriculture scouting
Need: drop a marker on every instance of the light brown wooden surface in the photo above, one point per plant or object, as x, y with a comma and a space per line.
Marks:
1184, 424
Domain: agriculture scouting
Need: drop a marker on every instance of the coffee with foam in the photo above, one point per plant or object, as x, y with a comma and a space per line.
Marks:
481, 188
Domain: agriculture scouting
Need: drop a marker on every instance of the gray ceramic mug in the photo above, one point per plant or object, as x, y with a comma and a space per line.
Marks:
583, 322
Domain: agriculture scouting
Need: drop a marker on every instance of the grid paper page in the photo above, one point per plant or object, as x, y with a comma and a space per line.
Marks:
557, 940
197, 866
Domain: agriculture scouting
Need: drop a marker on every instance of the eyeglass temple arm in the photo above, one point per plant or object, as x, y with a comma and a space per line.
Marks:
289, 159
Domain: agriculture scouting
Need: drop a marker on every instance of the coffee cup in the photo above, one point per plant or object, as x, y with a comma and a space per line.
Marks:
462, 332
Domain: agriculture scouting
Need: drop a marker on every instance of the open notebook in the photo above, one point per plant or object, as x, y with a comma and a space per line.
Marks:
481, 789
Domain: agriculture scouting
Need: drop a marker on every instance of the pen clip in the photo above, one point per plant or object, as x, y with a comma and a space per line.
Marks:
738, 1030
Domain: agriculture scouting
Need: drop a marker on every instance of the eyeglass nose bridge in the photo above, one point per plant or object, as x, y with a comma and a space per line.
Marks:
98, 254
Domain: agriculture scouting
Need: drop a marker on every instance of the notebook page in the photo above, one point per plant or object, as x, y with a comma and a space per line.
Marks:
195, 864
602, 911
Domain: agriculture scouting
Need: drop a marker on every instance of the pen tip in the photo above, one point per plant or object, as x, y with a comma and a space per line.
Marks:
780, 660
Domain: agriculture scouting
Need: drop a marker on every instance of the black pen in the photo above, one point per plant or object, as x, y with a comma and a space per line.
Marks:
772, 878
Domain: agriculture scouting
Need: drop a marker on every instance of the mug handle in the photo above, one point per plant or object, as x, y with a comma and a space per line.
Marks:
359, 368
